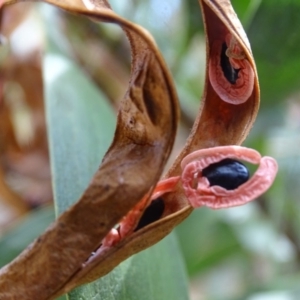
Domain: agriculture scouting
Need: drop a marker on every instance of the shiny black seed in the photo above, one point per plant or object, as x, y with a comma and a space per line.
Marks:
227, 173
152, 213
230, 73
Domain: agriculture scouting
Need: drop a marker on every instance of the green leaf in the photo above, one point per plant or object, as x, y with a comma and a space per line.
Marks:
206, 240
275, 42
80, 125
19, 237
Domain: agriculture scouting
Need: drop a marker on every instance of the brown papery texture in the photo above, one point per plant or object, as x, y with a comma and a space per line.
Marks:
218, 123
145, 133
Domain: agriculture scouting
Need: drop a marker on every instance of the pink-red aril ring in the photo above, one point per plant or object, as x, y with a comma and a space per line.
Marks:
231, 74
130, 221
197, 187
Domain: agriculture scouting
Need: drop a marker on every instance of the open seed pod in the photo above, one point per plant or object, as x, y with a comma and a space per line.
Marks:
145, 133
144, 136
218, 123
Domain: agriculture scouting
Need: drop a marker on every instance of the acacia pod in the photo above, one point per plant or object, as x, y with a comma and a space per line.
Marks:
146, 129
218, 123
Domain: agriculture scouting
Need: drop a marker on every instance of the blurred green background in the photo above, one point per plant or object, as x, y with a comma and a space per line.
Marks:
251, 252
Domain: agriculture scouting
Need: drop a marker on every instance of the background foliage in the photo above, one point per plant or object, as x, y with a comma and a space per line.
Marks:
251, 252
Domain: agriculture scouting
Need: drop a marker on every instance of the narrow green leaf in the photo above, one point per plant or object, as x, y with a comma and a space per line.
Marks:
206, 240
80, 127
19, 237
274, 38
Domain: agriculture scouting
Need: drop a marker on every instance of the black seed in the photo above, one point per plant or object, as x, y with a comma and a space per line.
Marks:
152, 213
230, 73
227, 173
